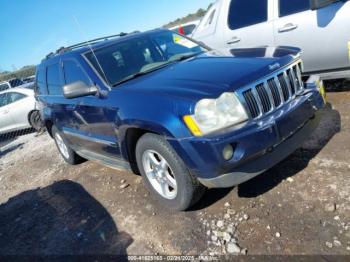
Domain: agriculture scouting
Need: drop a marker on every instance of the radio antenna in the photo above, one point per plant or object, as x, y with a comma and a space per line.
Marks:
89, 45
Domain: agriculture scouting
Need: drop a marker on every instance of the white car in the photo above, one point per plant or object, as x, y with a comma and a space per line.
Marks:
17, 110
185, 29
320, 28
14, 82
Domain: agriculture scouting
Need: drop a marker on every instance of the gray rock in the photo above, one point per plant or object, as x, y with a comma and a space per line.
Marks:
227, 216
232, 248
214, 238
330, 207
220, 224
244, 251
329, 244
245, 217
337, 243
278, 234
124, 186
231, 212
227, 204
227, 237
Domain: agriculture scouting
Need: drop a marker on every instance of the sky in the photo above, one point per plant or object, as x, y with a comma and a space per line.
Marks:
31, 29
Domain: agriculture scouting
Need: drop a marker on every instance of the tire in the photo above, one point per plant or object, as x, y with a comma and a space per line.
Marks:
34, 119
169, 182
66, 152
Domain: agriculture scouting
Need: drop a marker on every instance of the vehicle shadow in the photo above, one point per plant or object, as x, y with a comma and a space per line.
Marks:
337, 85
329, 126
61, 219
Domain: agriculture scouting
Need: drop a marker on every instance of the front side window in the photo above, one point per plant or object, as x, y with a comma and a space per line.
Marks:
53, 80
140, 55
73, 73
14, 97
288, 7
247, 12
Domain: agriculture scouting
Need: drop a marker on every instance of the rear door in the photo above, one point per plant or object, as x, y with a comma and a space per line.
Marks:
322, 34
248, 23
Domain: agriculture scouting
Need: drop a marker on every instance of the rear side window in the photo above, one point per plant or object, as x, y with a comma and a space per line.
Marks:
73, 73
54, 84
40, 87
288, 7
244, 13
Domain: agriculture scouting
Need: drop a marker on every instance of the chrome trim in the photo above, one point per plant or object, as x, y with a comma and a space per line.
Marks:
275, 79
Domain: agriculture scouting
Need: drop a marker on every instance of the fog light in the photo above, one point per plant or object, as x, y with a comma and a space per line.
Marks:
227, 153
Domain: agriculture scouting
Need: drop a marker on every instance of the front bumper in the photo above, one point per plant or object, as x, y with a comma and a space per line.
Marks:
258, 146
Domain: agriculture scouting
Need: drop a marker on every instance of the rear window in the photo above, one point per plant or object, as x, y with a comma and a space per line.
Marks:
16, 82
54, 84
247, 12
288, 7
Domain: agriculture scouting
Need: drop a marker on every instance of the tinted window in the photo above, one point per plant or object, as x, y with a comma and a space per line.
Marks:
244, 13
73, 72
288, 7
3, 87
40, 87
54, 84
14, 97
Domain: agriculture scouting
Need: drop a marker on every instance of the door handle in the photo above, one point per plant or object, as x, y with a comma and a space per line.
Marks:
233, 40
287, 27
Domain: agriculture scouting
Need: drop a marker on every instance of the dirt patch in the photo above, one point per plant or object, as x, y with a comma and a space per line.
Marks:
301, 206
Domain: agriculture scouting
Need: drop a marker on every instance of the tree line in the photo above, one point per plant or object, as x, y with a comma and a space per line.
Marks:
21, 73
190, 17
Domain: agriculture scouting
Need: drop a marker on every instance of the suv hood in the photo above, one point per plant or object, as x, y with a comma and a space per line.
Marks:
210, 74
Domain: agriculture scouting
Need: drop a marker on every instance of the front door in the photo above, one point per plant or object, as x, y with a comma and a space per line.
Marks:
318, 33
94, 119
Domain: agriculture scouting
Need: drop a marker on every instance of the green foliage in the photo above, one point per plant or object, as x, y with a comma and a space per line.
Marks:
190, 17
21, 73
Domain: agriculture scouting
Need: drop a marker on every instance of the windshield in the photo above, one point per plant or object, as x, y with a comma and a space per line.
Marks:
140, 55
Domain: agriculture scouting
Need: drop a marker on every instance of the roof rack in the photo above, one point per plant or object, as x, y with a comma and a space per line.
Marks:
85, 43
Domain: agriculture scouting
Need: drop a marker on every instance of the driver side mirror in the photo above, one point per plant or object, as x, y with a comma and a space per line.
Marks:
79, 89
318, 4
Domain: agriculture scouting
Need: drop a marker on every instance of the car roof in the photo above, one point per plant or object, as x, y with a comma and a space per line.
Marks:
25, 91
97, 45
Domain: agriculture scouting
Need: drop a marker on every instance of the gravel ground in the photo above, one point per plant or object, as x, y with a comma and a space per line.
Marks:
301, 206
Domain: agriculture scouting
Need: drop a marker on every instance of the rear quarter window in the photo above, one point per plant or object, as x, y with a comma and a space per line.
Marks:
54, 84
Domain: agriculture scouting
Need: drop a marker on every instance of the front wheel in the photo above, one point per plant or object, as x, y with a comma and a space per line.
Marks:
66, 152
165, 174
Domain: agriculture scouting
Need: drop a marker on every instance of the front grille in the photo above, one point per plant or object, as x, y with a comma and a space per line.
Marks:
273, 92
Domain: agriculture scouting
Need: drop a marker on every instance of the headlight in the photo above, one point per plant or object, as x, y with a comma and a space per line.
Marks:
214, 114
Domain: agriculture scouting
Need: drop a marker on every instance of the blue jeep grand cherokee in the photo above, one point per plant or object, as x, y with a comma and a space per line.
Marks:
184, 116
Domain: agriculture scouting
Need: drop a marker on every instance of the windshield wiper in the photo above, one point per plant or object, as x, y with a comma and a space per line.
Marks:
186, 56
